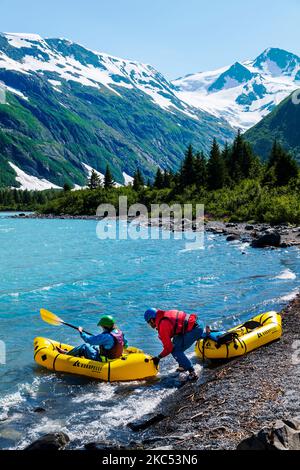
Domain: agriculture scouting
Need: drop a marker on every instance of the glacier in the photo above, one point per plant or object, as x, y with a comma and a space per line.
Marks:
249, 91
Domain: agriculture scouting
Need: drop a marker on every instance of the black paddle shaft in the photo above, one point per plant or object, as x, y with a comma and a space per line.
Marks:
76, 328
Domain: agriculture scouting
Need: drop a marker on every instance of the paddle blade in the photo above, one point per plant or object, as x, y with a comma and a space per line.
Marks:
50, 318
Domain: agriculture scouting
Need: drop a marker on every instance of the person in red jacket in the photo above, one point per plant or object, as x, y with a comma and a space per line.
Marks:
177, 331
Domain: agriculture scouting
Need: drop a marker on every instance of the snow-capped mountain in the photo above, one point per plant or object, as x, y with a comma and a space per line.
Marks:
243, 93
69, 61
68, 107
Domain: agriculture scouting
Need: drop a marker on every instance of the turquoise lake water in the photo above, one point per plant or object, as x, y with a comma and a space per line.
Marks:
61, 265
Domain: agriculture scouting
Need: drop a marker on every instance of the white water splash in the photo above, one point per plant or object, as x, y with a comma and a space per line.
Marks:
289, 297
286, 274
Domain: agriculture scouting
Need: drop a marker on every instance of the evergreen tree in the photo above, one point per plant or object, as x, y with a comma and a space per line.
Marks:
108, 179
281, 165
94, 181
26, 197
187, 174
138, 180
227, 155
241, 162
235, 163
16, 196
215, 168
200, 169
41, 197
67, 187
167, 179
247, 161
159, 179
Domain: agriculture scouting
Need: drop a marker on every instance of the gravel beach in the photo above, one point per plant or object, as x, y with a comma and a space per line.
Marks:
234, 399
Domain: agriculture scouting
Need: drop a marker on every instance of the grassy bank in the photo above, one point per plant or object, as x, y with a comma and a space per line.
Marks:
247, 201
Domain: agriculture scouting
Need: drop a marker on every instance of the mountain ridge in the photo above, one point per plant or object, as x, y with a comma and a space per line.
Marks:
282, 125
260, 85
68, 106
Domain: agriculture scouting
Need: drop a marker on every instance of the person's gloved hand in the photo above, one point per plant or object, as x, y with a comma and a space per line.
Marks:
207, 330
155, 360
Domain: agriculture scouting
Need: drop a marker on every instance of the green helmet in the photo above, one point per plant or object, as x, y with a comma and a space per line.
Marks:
106, 321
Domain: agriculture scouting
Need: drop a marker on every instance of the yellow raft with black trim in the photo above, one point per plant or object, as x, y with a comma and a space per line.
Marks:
258, 331
134, 364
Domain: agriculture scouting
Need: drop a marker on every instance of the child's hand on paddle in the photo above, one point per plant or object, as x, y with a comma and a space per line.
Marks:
80, 329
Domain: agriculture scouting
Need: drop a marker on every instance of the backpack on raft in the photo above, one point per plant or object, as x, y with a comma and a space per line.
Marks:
231, 336
222, 338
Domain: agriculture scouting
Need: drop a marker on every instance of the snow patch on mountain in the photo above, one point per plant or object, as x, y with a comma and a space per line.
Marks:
127, 179
31, 183
245, 92
20, 40
16, 92
90, 169
71, 62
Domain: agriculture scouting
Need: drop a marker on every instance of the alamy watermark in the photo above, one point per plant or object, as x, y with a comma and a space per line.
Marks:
162, 222
2, 93
2, 353
296, 97
296, 353
291, 395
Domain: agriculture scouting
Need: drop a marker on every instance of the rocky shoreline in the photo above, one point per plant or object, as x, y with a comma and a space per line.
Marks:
259, 235
235, 399
251, 402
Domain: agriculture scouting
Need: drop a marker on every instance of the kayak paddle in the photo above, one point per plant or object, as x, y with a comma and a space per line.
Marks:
53, 319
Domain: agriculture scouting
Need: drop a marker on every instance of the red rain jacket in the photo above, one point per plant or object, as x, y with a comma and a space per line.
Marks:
170, 323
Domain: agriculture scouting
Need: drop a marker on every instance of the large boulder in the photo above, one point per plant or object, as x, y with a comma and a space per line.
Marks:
54, 441
232, 238
146, 421
270, 238
283, 435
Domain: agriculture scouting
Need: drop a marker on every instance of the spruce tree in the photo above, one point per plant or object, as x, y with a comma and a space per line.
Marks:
167, 177
16, 196
94, 181
282, 165
159, 179
237, 155
200, 169
215, 168
41, 198
227, 155
247, 161
240, 161
67, 187
108, 179
187, 175
138, 180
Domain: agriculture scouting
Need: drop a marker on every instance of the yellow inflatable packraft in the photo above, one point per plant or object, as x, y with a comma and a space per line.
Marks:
258, 331
133, 365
